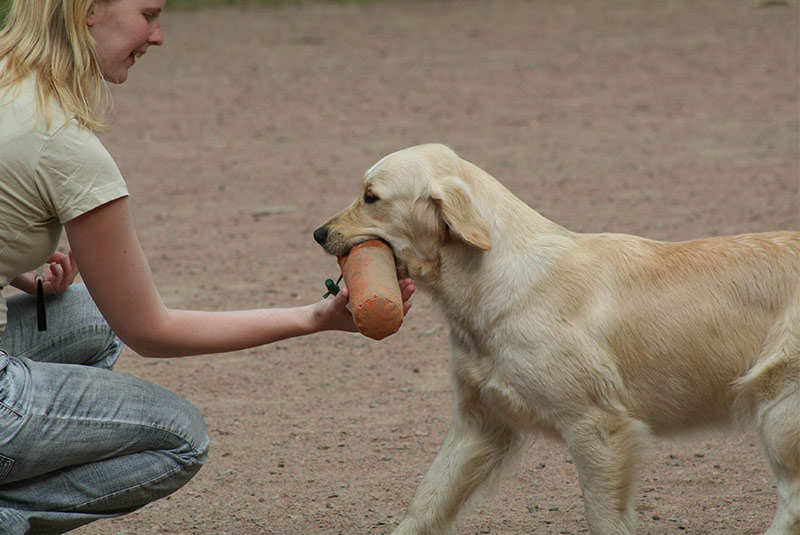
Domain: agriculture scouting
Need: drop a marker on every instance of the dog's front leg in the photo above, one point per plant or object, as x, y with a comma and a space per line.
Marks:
605, 447
471, 458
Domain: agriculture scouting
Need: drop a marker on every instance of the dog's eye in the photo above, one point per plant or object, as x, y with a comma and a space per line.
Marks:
370, 197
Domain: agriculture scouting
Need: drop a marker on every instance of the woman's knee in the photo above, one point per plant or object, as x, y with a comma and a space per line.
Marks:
198, 434
176, 449
191, 454
188, 424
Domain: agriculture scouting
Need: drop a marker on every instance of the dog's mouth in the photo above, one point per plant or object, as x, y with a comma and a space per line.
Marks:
350, 246
336, 245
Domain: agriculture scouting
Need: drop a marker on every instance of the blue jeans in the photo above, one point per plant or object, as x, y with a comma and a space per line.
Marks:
79, 442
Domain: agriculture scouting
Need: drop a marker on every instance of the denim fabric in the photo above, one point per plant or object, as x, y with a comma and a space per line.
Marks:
79, 442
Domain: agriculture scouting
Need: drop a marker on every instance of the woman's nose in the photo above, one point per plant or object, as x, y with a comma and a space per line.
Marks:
157, 36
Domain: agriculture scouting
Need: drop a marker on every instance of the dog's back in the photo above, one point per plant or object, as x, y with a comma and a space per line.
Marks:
706, 314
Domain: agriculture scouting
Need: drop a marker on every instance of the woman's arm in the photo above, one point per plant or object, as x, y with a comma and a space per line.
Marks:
119, 279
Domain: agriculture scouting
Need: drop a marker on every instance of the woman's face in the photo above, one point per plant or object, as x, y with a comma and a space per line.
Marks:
123, 30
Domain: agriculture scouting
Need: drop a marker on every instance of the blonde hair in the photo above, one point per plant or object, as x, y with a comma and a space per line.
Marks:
50, 40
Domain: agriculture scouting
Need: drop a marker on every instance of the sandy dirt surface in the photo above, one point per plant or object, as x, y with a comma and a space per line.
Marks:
673, 119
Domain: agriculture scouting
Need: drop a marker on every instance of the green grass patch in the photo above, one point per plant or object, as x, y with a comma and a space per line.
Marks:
200, 4
4, 5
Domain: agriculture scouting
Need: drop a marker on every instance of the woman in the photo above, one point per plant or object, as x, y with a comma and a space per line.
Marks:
79, 442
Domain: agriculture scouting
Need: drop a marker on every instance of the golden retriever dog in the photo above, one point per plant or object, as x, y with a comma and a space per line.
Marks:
601, 339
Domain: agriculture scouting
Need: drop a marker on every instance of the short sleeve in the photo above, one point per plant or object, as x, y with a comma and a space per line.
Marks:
76, 173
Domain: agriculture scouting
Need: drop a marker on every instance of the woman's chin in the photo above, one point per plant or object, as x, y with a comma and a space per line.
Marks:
117, 77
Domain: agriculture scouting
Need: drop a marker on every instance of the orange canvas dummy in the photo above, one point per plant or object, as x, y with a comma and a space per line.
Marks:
375, 300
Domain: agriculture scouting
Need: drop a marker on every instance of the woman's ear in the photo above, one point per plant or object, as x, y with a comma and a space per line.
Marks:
457, 207
90, 15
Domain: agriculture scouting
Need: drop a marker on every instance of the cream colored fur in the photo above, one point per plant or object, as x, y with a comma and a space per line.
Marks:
600, 339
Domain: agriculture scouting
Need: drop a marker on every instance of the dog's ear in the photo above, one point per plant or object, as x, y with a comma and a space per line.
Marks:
457, 206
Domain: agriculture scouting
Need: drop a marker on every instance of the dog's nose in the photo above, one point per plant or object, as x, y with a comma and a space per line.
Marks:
321, 235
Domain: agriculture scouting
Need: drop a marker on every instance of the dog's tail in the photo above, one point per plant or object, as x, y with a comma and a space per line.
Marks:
775, 377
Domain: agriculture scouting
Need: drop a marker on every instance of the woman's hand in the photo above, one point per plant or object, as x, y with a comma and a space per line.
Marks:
58, 273
335, 314
407, 289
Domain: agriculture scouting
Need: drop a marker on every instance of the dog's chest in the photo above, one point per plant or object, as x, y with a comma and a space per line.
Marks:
502, 376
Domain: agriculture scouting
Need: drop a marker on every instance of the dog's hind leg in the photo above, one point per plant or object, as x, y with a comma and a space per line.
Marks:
769, 397
780, 433
778, 422
605, 448
475, 451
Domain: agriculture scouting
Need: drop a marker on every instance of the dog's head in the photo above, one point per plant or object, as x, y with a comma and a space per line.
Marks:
416, 200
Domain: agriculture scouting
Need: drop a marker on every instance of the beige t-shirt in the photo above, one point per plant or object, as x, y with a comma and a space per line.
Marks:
48, 176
